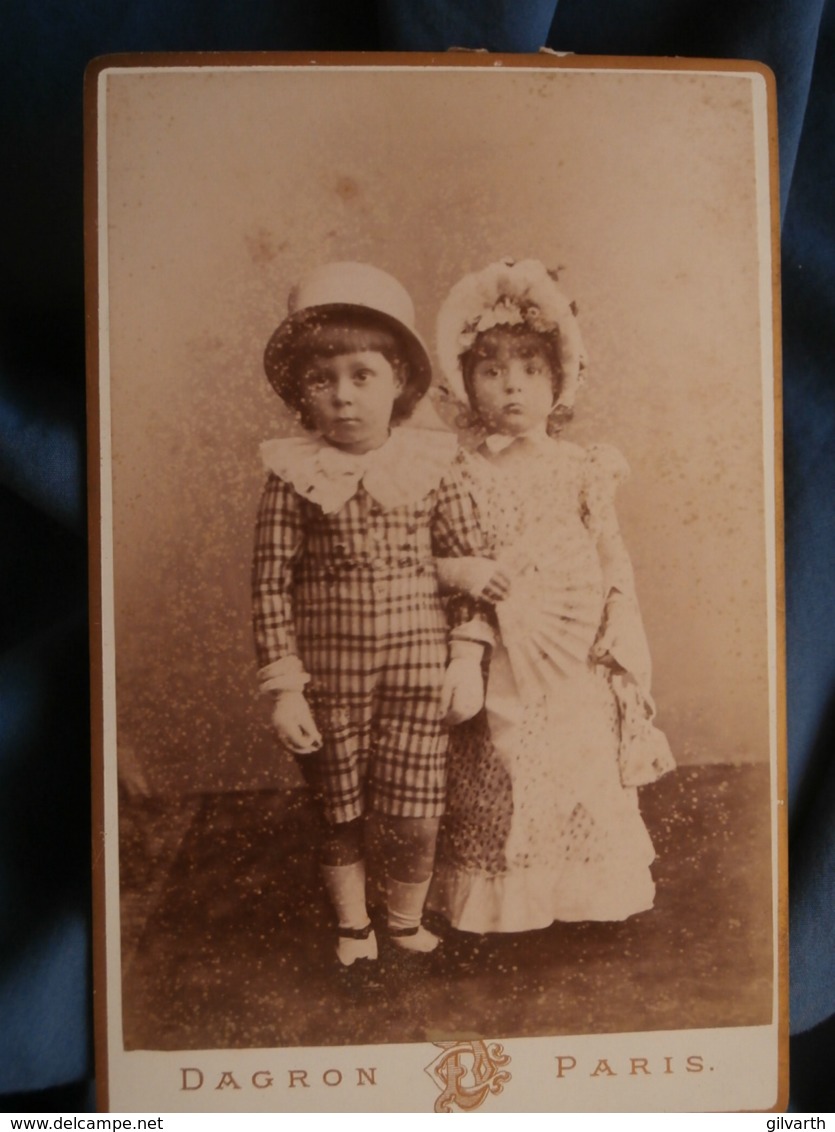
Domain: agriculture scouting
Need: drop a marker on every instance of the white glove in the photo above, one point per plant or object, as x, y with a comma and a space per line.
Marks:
462, 692
294, 725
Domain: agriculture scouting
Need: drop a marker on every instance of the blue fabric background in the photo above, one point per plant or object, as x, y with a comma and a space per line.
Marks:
45, 1024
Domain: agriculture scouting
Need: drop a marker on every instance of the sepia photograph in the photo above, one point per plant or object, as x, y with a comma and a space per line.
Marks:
437, 595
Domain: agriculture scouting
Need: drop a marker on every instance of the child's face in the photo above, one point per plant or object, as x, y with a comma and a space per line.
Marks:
350, 398
512, 385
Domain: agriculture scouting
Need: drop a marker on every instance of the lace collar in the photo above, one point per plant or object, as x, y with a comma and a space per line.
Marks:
404, 470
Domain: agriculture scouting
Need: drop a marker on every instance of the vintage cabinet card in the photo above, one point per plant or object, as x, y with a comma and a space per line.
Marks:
590, 465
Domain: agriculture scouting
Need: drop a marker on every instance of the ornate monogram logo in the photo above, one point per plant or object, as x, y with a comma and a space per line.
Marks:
467, 1072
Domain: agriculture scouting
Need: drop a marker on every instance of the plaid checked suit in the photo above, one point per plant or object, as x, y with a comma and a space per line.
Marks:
354, 594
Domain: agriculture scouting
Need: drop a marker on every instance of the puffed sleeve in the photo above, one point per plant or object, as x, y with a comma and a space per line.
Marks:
279, 537
457, 534
470, 573
455, 527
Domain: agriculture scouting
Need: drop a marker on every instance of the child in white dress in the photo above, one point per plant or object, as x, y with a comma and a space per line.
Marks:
542, 819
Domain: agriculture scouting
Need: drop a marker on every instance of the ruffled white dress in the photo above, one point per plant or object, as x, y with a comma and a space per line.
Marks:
542, 820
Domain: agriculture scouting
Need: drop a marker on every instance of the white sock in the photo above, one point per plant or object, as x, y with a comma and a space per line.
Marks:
345, 885
405, 908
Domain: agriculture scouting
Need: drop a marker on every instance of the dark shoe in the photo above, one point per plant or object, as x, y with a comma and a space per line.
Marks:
356, 944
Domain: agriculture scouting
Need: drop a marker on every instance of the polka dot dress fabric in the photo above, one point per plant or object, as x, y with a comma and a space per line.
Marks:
539, 826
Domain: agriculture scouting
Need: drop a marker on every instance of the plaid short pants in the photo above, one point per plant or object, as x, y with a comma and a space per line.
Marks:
354, 594
375, 644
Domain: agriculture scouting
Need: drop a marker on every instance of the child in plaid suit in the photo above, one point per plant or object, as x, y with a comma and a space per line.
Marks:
351, 637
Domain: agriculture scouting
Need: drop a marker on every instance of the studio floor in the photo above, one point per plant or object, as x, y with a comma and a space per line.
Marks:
226, 940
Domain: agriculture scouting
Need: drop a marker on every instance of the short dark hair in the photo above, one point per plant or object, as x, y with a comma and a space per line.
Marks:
328, 334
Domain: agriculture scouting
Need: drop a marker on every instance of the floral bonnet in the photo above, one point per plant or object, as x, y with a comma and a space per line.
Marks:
509, 293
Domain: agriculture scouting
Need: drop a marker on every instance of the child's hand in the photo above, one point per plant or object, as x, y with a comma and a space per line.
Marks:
512, 564
497, 586
294, 725
462, 692
615, 642
601, 651
469, 575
